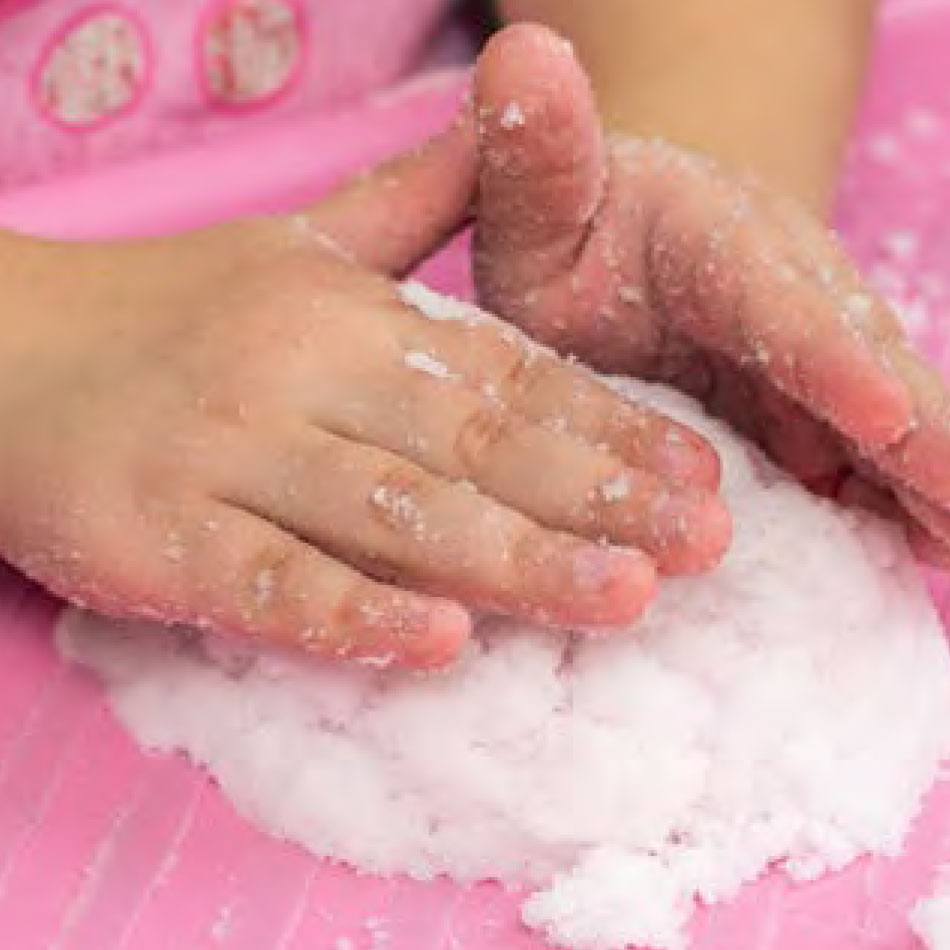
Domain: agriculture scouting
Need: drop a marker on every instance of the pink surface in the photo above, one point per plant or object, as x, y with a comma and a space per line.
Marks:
104, 848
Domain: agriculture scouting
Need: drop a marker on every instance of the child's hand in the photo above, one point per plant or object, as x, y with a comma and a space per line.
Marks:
241, 429
642, 259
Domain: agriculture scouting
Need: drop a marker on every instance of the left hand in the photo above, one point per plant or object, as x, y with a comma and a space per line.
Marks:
643, 259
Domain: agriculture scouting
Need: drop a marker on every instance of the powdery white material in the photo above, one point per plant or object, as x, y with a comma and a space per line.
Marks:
792, 707
930, 918
513, 117
425, 363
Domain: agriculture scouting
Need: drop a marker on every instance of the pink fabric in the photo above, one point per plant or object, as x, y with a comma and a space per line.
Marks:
87, 81
104, 848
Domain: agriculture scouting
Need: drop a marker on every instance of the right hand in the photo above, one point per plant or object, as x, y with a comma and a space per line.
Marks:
242, 429
643, 259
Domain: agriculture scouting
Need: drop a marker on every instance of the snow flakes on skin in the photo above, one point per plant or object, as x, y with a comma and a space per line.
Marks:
513, 117
174, 549
426, 363
264, 586
436, 307
401, 509
617, 488
632, 296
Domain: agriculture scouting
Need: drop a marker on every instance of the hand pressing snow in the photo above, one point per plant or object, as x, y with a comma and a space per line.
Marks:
248, 429
643, 259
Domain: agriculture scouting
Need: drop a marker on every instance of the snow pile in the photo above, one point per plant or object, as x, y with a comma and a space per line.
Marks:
930, 918
792, 707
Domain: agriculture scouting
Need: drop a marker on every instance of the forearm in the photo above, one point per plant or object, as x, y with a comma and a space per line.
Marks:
763, 85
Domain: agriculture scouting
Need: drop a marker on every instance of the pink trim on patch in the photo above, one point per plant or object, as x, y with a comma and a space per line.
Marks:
140, 83
215, 13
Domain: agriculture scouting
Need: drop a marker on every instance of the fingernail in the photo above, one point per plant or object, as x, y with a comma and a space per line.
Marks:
683, 461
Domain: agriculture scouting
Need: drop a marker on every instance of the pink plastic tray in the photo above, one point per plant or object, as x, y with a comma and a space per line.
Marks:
103, 848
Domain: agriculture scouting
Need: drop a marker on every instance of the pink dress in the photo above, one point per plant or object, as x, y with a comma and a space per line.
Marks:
146, 115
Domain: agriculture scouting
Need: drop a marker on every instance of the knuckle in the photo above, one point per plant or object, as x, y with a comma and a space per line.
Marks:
522, 374
484, 428
273, 579
399, 498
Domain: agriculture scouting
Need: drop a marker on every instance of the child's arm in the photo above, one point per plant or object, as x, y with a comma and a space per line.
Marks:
766, 85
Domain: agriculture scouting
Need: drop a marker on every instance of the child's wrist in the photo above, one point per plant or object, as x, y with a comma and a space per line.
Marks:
762, 87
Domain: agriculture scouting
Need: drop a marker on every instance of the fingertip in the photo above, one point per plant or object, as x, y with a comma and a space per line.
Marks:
541, 154
525, 48
528, 80
686, 458
614, 585
861, 396
448, 630
692, 531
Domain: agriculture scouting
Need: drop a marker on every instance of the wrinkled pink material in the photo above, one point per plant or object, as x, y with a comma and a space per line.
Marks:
104, 848
345, 51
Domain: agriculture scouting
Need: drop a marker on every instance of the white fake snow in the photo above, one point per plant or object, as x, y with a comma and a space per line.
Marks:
930, 918
425, 363
790, 708
513, 117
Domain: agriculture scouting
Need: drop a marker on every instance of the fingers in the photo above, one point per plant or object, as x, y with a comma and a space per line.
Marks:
804, 446
773, 303
396, 520
921, 460
917, 468
568, 399
928, 549
558, 480
399, 213
928, 530
240, 574
542, 163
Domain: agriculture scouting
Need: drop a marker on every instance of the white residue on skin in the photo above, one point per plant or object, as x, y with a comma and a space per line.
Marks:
400, 505
630, 295
617, 488
175, 548
858, 308
264, 585
490, 391
305, 231
377, 662
425, 363
436, 307
513, 117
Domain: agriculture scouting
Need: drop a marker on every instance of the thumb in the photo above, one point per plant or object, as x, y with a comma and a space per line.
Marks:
541, 159
400, 212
